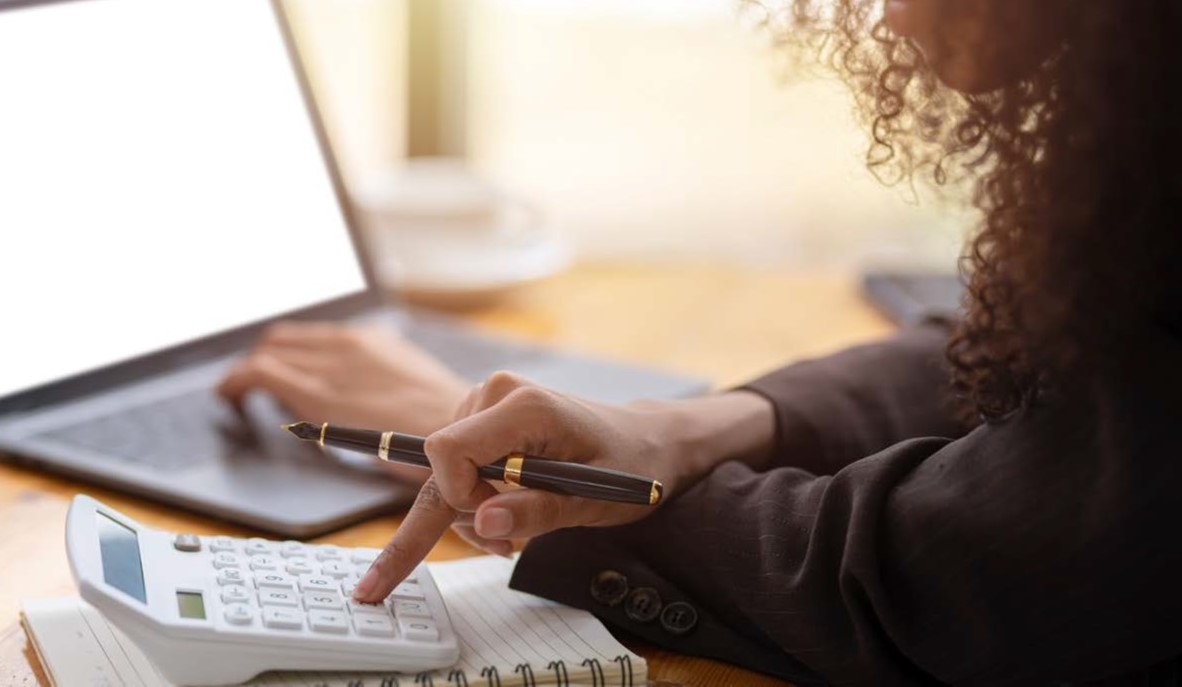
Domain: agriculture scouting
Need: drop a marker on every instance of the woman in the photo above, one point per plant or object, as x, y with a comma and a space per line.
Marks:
878, 517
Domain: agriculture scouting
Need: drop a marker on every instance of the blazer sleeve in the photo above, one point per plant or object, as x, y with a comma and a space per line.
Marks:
834, 410
1041, 549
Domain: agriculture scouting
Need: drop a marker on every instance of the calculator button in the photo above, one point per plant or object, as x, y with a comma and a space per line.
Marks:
299, 566
328, 621
408, 590
278, 597
263, 563
317, 583
238, 614
349, 584
293, 549
364, 557
284, 618
418, 629
373, 625
358, 608
256, 546
411, 609
186, 542
274, 580
326, 600
235, 593
232, 576
328, 552
226, 560
337, 569
221, 544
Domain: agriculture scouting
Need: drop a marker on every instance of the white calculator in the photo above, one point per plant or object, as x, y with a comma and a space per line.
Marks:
220, 610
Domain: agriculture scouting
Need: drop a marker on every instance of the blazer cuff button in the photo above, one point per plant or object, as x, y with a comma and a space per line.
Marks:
679, 618
643, 604
609, 588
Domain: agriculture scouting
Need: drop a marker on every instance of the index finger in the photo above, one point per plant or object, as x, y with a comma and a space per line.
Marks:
289, 385
424, 524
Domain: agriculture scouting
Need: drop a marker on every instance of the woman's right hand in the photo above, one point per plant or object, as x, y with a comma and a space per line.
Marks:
672, 442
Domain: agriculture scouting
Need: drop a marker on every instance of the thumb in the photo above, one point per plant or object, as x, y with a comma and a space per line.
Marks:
523, 513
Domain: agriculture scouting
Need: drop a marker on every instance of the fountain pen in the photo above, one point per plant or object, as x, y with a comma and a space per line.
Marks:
558, 476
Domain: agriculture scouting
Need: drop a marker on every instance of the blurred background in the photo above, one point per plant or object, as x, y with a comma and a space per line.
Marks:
638, 130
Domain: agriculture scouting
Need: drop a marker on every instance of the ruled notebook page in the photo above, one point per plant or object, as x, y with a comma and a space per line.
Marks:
507, 638
503, 629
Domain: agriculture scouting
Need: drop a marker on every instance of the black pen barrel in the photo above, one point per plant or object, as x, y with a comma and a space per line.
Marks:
588, 481
561, 477
405, 448
360, 440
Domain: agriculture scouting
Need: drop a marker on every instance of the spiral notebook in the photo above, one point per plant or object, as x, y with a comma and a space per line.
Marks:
562, 645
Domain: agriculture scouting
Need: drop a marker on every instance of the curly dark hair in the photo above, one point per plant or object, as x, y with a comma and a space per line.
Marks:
1074, 165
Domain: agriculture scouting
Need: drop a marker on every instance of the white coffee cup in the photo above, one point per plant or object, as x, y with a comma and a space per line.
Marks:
443, 236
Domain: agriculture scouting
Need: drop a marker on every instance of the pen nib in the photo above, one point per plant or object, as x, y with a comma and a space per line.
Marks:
304, 430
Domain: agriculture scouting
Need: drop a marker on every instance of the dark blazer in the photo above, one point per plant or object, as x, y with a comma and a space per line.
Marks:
888, 545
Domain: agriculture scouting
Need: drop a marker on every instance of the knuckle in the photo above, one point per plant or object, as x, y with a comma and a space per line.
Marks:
430, 496
441, 445
530, 397
392, 553
501, 383
253, 365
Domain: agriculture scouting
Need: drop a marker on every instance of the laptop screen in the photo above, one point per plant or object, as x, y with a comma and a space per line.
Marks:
160, 181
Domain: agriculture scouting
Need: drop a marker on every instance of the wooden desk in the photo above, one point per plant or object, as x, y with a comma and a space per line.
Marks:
725, 324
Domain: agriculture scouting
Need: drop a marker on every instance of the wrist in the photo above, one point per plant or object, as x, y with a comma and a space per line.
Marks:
702, 433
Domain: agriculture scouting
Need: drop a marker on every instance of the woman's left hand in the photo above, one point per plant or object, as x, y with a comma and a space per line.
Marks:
358, 376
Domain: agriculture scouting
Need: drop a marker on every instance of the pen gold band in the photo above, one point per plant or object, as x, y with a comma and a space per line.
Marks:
655, 494
323, 429
384, 446
513, 463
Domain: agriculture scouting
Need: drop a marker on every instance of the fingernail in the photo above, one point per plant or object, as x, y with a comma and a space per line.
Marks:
494, 523
366, 586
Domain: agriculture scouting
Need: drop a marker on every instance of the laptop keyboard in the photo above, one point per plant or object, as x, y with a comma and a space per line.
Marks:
174, 433
198, 427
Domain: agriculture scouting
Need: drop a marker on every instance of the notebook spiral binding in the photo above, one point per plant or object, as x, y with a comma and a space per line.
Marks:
527, 674
561, 678
491, 673
597, 679
624, 660
492, 678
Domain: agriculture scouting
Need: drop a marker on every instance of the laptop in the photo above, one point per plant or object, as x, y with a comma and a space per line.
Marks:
166, 192
909, 297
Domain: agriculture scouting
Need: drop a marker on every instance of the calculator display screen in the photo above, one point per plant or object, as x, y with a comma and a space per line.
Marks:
120, 549
191, 605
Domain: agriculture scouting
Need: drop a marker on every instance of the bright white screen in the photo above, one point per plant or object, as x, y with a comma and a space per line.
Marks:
159, 181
